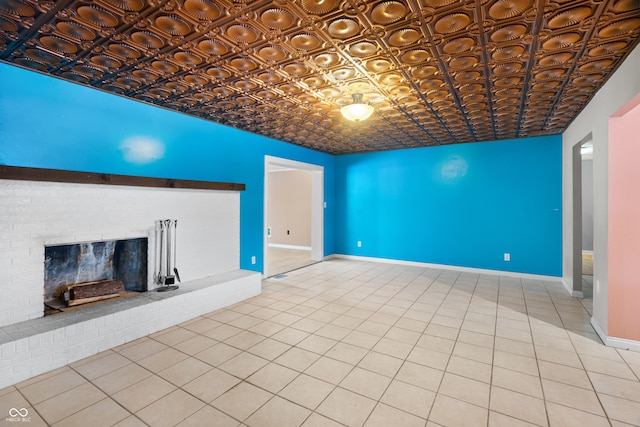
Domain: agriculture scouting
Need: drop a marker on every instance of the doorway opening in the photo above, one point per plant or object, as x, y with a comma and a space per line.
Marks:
582, 160
293, 215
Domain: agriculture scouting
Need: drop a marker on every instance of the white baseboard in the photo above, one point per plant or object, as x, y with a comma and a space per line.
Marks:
450, 267
570, 291
621, 343
300, 248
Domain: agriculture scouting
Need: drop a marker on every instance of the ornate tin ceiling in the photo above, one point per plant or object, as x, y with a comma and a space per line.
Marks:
437, 71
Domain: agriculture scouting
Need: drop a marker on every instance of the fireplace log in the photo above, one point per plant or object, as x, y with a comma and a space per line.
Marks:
80, 293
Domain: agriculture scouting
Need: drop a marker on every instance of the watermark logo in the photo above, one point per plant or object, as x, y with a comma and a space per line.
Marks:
18, 416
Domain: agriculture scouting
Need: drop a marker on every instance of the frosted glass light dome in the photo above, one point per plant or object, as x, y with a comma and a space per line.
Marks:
358, 110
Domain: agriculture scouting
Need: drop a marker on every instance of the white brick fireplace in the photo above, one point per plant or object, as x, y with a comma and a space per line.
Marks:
37, 214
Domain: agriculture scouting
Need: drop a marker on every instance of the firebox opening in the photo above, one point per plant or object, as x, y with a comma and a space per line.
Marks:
102, 270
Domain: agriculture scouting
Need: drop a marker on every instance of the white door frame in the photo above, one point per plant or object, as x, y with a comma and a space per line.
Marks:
317, 205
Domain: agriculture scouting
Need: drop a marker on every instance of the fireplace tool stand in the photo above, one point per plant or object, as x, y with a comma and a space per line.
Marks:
168, 272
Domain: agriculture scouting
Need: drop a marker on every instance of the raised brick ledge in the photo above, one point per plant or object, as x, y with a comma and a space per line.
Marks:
40, 345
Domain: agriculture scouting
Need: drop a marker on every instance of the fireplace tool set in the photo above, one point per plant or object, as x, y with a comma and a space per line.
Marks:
166, 235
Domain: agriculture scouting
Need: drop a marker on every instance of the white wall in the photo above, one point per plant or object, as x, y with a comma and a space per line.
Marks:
35, 214
620, 88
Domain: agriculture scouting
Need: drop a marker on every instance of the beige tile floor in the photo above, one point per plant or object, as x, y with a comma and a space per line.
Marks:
357, 343
283, 260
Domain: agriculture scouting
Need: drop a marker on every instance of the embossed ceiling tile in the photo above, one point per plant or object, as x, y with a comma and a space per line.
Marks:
503, 9
561, 41
74, 30
607, 49
363, 49
508, 52
570, 17
277, 19
459, 45
552, 74
463, 62
212, 47
344, 28
622, 27
555, 59
242, 33
325, 60
272, 53
404, 37
202, 9
507, 82
391, 78
415, 56
452, 23
595, 66
97, 17
106, 61
508, 68
620, 6
147, 39
378, 65
508, 33
467, 76
59, 45
124, 51
423, 71
242, 64
219, 73
305, 41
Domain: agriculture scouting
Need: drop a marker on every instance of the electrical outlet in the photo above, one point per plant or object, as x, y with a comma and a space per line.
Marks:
253, 260
359, 244
507, 256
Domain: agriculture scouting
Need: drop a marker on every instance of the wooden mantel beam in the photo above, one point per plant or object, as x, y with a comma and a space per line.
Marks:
74, 177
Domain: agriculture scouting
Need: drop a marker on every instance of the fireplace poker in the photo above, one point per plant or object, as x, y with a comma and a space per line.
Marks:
175, 250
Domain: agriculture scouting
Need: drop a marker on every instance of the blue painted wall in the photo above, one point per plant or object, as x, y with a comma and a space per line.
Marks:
50, 123
462, 205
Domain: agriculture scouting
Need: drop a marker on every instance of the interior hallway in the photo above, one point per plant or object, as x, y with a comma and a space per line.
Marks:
357, 343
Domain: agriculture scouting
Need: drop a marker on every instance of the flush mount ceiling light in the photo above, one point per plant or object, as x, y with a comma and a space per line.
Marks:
358, 110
